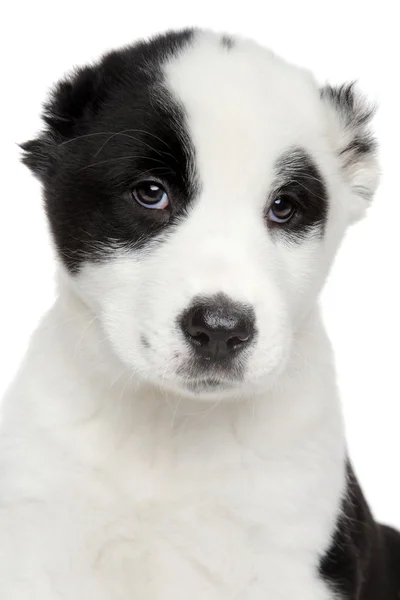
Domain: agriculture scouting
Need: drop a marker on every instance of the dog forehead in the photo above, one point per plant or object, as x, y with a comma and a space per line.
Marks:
243, 104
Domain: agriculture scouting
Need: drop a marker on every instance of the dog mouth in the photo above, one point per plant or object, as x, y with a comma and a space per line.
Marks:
209, 385
199, 375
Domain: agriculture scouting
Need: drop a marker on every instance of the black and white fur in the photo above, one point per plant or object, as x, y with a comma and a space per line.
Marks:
134, 461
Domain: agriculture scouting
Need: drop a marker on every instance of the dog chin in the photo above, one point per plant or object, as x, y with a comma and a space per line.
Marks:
214, 386
211, 386
210, 389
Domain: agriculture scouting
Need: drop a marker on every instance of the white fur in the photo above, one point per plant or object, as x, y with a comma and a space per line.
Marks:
115, 481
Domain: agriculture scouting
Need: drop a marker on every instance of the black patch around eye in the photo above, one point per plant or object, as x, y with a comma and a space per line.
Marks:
298, 175
119, 125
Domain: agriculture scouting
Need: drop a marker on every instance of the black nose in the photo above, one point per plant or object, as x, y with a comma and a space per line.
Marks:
218, 327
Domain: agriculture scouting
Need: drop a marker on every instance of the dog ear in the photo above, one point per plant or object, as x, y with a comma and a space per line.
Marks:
72, 103
349, 117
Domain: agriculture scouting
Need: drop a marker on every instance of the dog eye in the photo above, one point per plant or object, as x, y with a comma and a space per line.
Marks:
282, 209
150, 194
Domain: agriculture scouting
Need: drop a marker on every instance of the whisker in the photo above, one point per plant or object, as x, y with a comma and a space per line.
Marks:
80, 137
307, 189
118, 158
85, 330
126, 132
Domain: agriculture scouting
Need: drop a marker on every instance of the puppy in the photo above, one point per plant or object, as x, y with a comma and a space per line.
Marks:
175, 429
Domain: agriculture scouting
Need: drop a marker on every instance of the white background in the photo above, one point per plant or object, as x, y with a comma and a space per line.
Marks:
339, 41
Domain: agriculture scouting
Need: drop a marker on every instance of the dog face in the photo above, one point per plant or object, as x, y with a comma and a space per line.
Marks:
197, 189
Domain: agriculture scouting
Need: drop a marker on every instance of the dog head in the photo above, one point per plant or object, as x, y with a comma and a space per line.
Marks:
197, 189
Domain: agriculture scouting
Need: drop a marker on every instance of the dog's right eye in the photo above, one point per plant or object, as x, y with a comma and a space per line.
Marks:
150, 194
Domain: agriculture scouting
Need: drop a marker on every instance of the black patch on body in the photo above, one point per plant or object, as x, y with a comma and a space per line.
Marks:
107, 126
298, 177
363, 561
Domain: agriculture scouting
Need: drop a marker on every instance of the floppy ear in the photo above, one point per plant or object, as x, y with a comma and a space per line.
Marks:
68, 103
350, 115
73, 101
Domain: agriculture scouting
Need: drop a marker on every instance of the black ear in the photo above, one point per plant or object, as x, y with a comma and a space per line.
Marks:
71, 103
349, 116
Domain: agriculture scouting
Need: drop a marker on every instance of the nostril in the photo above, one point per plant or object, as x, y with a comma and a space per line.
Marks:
195, 328
199, 337
235, 342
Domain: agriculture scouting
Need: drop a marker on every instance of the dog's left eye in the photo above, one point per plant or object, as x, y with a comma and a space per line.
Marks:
282, 209
150, 194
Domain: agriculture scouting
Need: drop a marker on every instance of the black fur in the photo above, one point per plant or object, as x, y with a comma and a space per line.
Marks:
354, 110
107, 126
355, 115
298, 177
363, 561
